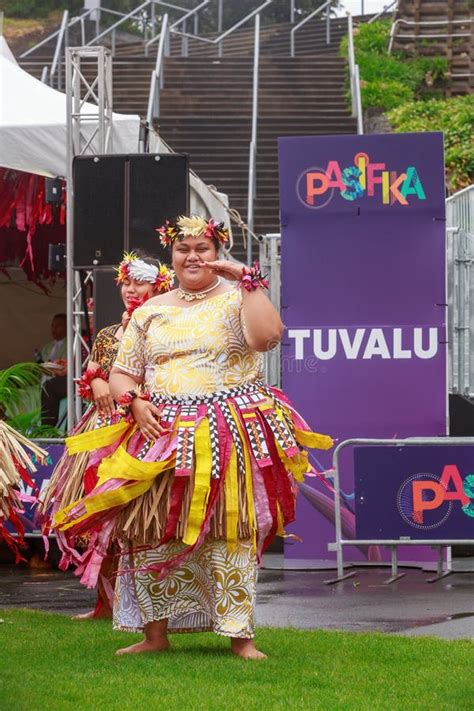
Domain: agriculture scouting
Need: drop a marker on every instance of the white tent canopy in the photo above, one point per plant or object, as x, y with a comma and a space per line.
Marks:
33, 122
33, 133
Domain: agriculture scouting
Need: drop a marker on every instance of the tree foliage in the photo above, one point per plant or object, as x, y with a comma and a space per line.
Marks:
455, 117
411, 91
389, 80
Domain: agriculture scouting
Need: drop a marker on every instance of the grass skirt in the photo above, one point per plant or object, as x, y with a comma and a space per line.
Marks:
226, 471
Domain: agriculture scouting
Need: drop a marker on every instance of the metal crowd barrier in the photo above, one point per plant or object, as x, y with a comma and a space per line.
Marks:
339, 544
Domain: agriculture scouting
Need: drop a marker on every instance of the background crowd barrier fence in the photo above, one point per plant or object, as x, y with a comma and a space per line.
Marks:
442, 544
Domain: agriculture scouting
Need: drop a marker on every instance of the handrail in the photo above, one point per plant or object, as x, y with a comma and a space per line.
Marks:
132, 14
123, 18
304, 21
157, 74
128, 16
58, 48
385, 8
354, 78
418, 23
179, 21
253, 141
221, 38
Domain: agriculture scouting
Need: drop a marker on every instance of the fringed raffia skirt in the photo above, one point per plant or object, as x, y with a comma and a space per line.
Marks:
221, 479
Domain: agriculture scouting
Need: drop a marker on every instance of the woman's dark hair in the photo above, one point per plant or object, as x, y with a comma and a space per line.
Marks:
143, 254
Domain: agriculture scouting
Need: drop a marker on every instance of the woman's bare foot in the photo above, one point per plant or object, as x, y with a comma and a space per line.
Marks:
145, 646
156, 639
246, 649
93, 615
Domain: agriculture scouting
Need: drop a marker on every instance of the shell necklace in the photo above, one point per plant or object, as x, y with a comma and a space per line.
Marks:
197, 295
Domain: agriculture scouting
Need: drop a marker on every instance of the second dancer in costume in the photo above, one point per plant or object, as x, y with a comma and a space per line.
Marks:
139, 278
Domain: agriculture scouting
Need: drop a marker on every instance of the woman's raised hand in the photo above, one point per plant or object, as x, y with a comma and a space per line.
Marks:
147, 415
226, 269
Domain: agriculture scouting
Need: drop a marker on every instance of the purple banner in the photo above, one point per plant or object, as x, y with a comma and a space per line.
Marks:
414, 492
363, 297
41, 477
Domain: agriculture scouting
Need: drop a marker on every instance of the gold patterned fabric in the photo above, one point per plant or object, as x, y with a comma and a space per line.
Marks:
105, 347
213, 591
194, 350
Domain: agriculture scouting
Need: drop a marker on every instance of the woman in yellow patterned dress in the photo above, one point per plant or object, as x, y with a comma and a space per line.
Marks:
200, 481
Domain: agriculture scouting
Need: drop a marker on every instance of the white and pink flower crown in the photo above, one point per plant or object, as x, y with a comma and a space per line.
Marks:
193, 226
132, 267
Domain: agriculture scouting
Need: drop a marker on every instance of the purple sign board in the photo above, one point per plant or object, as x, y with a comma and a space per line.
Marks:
363, 298
417, 492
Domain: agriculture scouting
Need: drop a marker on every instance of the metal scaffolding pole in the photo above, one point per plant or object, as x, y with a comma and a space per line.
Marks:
89, 132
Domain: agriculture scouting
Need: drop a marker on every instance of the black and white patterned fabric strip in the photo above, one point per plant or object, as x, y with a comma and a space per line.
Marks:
218, 396
214, 434
226, 411
185, 444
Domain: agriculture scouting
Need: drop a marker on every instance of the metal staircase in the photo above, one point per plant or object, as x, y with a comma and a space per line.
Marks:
207, 102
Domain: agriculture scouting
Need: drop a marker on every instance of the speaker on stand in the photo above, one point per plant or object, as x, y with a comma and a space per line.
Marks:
119, 201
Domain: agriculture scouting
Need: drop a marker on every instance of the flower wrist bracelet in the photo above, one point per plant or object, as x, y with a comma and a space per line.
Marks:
252, 278
84, 389
125, 400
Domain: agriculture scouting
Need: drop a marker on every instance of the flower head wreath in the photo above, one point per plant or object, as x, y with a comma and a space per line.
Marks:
193, 226
132, 267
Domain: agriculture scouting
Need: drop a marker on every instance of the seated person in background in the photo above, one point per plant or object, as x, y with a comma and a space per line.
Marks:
54, 385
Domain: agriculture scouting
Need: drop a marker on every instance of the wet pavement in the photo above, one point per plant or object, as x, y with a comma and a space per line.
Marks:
300, 599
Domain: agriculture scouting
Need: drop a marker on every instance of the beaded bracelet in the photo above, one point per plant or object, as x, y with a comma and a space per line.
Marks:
84, 389
252, 278
125, 400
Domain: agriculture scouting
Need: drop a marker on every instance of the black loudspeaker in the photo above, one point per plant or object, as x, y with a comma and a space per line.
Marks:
120, 200
108, 305
53, 189
57, 257
99, 207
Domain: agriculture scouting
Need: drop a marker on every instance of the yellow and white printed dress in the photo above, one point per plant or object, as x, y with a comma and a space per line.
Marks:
195, 509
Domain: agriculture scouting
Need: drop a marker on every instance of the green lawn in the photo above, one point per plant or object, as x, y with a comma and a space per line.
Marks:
50, 663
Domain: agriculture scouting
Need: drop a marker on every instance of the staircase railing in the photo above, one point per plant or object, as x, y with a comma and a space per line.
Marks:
123, 18
392, 6
155, 86
181, 21
327, 5
157, 75
61, 44
220, 39
430, 35
252, 185
354, 77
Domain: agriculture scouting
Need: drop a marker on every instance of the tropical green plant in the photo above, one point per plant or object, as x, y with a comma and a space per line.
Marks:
29, 424
15, 379
16, 385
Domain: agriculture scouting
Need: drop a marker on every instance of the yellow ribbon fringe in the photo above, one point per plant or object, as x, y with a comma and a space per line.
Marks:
313, 440
95, 439
231, 486
202, 482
